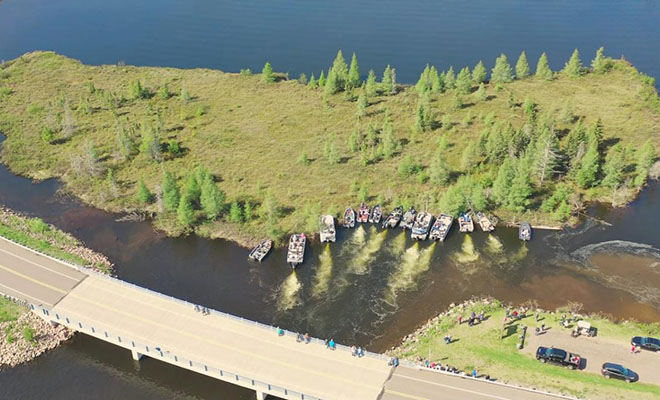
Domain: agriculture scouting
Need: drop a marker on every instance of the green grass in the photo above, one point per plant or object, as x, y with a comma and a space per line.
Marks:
249, 135
28, 335
480, 346
9, 311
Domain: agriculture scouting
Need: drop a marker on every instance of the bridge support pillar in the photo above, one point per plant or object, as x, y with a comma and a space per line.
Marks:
261, 395
136, 356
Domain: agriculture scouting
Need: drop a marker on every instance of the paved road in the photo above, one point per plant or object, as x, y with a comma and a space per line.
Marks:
413, 384
33, 277
598, 350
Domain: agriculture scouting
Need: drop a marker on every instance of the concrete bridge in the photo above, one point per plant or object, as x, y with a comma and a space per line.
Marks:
219, 345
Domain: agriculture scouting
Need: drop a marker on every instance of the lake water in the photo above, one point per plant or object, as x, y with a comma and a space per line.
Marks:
373, 286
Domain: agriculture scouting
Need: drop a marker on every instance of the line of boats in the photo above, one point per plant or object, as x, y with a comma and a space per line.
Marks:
422, 225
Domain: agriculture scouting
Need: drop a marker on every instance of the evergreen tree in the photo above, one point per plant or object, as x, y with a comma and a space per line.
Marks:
502, 71
322, 79
543, 70
481, 92
464, 81
645, 159
340, 70
574, 66
522, 67
424, 84
193, 189
439, 170
576, 137
613, 167
150, 144
267, 75
547, 155
333, 84
164, 92
185, 213
469, 157
601, 64
424, 116
363, 193
312, 82
457, 104
330, 150
235, 213
589, 165
502, 184
437, 81
371, 87
362, 104
144, 196
47, 135
354, 80
450, 78
212, 198
521, 187
479, 73
170, 193
388, 80
595, 132
247, 211
390, 142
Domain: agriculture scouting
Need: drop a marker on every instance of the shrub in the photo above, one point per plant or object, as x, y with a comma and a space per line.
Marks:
246, 72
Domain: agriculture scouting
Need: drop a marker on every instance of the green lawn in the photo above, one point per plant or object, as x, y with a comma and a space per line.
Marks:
481, 347
9, 310
249, 134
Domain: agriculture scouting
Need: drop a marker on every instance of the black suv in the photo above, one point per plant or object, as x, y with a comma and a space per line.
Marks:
611, 370
647, 343
558, 356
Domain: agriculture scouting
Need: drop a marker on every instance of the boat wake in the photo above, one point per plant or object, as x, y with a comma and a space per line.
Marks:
323, 273
398, 245
467, 254
413, 263
360, 264
289, 290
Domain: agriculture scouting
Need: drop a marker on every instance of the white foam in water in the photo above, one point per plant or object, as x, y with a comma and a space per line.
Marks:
414, 262
468, 253
359, 265
323, 273
289, 293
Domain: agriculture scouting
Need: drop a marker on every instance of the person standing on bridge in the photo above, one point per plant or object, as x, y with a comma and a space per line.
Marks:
331, 344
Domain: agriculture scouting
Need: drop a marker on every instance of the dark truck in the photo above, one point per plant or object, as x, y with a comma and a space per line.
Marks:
558, 356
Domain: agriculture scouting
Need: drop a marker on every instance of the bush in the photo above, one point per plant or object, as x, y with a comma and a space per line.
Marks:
5, 91
28, 334
246, 72
407, 167
173, 147
37, 225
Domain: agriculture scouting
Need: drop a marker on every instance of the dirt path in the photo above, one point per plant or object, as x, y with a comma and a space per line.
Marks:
597, 350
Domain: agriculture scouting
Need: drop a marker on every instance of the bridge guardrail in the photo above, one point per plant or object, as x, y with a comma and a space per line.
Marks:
165, 355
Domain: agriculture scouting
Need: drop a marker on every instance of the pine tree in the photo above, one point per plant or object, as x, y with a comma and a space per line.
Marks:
390, 142
313, 84
645, 158
595, 132
547, 155
388, 80
481, 92
333, 84
613, 167
522, 67
144, 196
601, 64
363, 193
235, 213
212, 198
423, 84
577, 136
502, 71
322, 79
340, 70
521, 187
469, 157
267, 75
457, 103
354, 80
464, 81
574, 66
543, 70
371, 87
424, 116
185, 213
437, 81
192, 189
362, 105
589, 165
479, 73
170, 193
502, 184
439, 170
450, 78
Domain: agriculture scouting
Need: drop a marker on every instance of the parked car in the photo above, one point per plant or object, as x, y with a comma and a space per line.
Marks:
558, 356
647, 343
618, 371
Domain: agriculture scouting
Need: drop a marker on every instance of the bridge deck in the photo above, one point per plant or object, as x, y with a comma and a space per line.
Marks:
223, 342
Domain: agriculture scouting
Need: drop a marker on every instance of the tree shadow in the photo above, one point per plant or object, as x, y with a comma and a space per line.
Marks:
510, 330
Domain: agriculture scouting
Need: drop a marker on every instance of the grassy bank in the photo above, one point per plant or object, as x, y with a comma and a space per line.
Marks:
483, 348
9, 311
283, 152
38, 235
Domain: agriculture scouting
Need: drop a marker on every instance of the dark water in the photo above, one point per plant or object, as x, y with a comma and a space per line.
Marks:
372, 287
304, 35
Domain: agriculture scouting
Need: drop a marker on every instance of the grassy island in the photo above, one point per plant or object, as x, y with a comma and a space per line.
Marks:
243, 155
491, 348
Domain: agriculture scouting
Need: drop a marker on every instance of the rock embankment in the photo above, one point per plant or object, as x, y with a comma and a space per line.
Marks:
15, 344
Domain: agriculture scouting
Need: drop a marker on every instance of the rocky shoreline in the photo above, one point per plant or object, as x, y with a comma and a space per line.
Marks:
16, 349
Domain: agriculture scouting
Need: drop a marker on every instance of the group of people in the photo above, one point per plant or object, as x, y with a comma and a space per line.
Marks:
330, 344
203, 310
451, 369
474, 318
357, 351
303, 338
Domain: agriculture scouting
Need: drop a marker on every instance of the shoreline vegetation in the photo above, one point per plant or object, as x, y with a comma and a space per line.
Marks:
23, 335
491, 348
241, 156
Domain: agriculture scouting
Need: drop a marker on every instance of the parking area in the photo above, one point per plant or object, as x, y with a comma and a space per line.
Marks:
597, 350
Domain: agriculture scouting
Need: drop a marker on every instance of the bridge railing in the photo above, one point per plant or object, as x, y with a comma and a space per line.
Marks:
156, 352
